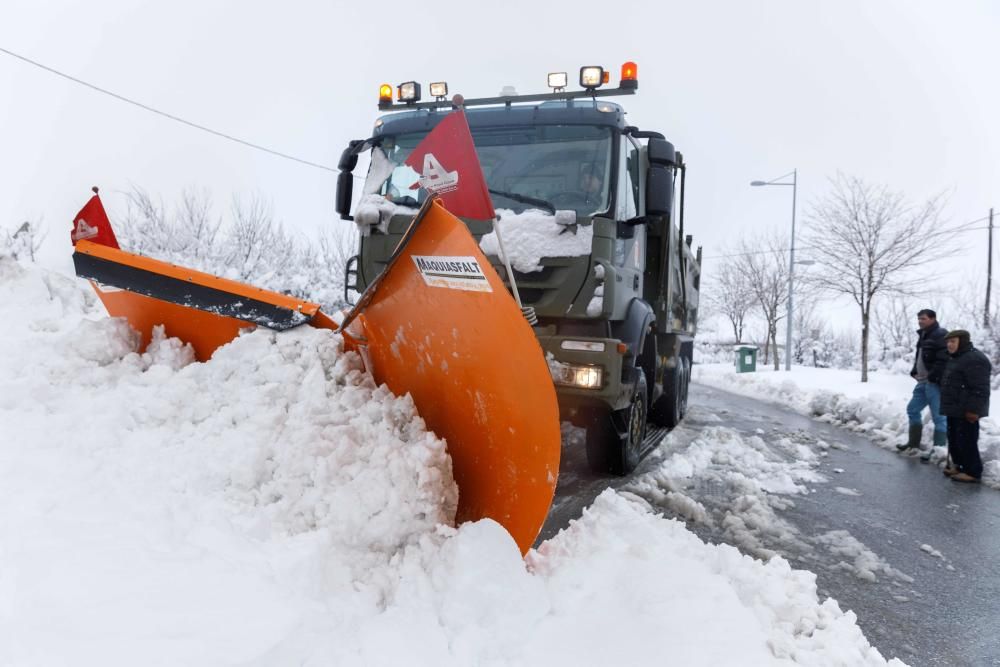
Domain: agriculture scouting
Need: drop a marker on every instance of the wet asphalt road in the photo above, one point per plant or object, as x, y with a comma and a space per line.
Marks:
924, 608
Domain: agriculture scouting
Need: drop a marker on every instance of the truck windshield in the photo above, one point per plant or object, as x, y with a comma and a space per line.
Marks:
566, 166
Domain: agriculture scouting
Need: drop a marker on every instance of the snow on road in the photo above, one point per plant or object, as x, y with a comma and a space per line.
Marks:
273, 506
876, 408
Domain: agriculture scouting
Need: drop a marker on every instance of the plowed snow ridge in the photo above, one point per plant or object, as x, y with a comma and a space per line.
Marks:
273, 506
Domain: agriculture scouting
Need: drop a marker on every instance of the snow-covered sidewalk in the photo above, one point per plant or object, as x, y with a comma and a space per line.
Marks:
273, 506
876, 408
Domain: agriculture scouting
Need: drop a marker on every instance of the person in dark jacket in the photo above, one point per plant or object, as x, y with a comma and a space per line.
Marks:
965, 399
928, 366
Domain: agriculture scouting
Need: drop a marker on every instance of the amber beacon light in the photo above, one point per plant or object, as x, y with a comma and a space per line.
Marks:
385, 94
630, 75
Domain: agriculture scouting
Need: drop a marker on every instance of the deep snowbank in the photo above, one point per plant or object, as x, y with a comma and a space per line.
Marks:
274, 507
877, 408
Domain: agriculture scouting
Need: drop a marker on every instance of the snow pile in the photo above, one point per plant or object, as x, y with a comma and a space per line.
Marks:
756, 464
530, 236
686, 602
857, 558
742, 483
877, 409
273, 506
928, 549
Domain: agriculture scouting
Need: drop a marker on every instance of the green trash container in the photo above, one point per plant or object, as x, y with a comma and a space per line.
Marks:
746, 359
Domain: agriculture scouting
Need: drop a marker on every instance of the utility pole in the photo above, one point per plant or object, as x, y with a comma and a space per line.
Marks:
989, 275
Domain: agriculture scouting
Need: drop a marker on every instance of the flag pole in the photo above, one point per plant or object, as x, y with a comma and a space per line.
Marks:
527, 311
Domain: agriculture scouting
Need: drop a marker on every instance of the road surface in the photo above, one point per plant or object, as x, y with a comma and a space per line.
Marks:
914, 555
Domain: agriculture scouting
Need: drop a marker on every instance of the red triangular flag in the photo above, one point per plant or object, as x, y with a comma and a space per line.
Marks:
449, 167
92, 224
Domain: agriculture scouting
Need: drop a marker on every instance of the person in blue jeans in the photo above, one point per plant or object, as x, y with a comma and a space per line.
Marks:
928, 367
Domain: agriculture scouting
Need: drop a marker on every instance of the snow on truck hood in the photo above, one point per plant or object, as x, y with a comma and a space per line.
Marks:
274, 506
533, 235
528, 237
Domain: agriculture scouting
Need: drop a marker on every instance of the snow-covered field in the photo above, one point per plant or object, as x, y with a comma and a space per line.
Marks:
274, 507
876, 408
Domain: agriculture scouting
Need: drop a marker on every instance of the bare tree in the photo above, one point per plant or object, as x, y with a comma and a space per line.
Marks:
764, 268
248, 245
970, 314
868, 241
893, 325
731, 295
24, 243
336, 248
195, 223
807, 328
144, 229
258, 243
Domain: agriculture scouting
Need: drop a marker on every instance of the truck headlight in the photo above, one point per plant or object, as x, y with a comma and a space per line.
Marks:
574, 375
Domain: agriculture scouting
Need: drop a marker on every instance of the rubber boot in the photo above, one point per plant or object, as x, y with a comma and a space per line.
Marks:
940, 440
916, 431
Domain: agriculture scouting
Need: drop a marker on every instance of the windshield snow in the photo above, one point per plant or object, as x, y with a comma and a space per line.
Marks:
564, 166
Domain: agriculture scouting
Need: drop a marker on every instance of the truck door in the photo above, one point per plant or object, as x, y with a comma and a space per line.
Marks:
630, 244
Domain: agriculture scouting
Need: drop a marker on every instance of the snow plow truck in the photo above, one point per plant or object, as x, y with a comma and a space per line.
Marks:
594, 326
617, 320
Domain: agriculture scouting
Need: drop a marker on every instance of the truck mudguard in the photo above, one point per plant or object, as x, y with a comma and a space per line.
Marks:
632, 330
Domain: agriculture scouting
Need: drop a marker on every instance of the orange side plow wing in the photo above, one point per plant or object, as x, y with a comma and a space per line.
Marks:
199, 308
440, 325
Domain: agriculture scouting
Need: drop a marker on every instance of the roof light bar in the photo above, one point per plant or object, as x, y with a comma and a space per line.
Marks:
591, 77
408, 92
439, 90
558, 80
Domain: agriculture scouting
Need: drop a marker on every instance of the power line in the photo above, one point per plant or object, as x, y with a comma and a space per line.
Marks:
759, 252
964, 225
172, 117
960, 229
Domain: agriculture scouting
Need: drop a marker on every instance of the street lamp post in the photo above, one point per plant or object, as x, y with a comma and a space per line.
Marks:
791, 260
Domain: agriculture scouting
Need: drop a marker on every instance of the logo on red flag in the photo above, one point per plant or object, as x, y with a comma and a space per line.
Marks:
435, 178
92, 224
449, 168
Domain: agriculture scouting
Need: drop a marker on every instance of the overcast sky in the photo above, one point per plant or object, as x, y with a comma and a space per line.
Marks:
899, 92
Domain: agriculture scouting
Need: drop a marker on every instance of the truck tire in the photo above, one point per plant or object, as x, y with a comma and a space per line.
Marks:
614, 439
669, 408
687, 384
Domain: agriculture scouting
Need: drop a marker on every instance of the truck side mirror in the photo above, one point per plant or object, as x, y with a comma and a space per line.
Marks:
345, 179
659, 190
345, 192
349, 158
661, 152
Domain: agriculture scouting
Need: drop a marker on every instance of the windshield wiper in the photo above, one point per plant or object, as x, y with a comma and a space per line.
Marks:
525, 199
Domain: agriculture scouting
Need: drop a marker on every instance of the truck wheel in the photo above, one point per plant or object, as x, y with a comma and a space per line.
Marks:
687, 384
669, 408
614, 440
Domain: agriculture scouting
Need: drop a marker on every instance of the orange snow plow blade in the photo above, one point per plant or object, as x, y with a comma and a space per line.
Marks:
199, 308
440, 325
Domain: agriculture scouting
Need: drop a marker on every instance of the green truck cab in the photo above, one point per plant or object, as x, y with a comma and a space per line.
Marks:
592, 215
